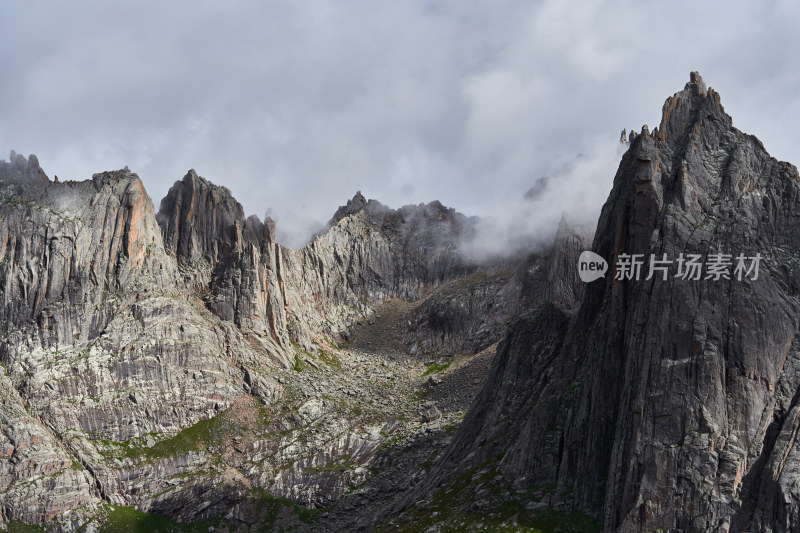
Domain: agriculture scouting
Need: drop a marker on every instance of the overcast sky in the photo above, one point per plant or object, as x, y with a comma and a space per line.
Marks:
296, 105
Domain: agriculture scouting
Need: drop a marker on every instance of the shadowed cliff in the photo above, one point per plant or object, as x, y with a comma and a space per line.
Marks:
663, 403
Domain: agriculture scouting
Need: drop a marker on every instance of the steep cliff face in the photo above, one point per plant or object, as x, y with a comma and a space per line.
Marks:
468, 314
464, 315
552, 276
231, 262
369, 253
664, 403
149, 358
67, 248
100, 342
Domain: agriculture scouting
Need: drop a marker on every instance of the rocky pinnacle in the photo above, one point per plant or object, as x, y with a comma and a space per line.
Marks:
664, 404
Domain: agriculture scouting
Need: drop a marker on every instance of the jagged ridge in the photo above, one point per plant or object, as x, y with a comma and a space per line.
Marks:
123, 328
663, 404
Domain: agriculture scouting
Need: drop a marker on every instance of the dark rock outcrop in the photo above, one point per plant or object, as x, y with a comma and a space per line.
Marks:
470, 313
552, 275
20, 171
664, 403
464, 315
539, 188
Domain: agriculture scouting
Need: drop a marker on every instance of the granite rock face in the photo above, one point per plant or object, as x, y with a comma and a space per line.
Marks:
127, 334
664, 403
99, 340
232, 262
552, 276
423, 240
464, 315
470, 313
39, 479
369, 253
187, 364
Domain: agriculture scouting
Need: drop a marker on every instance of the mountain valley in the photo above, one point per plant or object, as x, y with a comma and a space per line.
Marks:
180, 370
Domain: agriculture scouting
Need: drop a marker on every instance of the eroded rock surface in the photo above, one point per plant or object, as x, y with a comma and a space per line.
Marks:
663, 403
184, 363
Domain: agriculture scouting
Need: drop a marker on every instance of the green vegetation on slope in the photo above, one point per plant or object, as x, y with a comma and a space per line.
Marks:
15, 526
448, 511
129, 520
436, 368
193, 438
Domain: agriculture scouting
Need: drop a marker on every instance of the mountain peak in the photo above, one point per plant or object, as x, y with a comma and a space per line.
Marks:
357, 204
22, 170
197, 216
682, 110
696, 80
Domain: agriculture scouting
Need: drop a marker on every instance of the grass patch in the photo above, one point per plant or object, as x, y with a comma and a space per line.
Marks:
453, 426
448, 510
193, 438
330, 359
333, 343
393, 441
436, 368
130, 520
269, 508
420, 395
300, 364
15, 526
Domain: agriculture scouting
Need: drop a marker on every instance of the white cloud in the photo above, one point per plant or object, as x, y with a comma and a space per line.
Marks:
295, 105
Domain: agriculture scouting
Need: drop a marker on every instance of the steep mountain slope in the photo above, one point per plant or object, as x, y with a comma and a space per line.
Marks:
471, 313
186, 364
230, 261
100, 343
662, 403
369, 253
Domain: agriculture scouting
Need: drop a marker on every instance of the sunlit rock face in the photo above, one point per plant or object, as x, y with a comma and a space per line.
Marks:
99, 339
369, 253
123, 328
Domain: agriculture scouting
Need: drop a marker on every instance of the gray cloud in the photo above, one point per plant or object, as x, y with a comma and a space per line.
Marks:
295, 105
573, 194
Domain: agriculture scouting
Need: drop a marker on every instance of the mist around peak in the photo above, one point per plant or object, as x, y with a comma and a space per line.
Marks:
573, 194
513, 222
